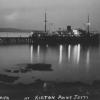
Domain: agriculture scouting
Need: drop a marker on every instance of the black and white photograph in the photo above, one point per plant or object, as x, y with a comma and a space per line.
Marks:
49, 49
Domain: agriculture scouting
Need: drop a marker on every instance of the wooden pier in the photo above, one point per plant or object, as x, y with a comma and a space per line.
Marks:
50, 39
16, 40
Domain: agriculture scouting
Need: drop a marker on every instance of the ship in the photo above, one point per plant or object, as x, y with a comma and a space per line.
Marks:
69, 36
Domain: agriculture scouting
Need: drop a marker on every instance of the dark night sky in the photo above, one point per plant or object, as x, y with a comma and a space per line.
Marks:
29, 14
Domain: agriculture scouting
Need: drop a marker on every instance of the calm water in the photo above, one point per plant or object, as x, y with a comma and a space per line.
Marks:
69, 62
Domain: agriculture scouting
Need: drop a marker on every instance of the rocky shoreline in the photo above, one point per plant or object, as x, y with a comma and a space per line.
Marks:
42, 88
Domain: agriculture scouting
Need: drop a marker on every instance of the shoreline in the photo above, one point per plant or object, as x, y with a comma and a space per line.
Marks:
42, 88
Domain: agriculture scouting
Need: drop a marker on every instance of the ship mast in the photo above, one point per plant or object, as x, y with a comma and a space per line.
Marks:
45, 22
88, 24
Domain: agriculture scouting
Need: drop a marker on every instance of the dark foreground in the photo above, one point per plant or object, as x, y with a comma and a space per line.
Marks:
40, 90
45, 90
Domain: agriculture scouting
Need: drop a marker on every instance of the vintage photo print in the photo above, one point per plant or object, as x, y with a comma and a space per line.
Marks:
49, 50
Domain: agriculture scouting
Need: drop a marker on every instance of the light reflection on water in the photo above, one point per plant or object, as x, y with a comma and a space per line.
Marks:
69, 52
74, 61
60, 54
31, 56
88, 58
38, 52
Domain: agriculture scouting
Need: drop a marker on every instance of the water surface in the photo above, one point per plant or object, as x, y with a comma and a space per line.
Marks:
70, 63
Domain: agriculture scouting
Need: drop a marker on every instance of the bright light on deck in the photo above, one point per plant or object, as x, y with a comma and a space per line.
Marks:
76, 33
